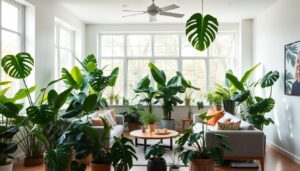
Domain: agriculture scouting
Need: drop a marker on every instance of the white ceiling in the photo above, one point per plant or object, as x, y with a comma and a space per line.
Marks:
110, 11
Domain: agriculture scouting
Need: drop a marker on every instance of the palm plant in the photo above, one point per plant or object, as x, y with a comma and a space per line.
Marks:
254, 107
288, 82
290, 53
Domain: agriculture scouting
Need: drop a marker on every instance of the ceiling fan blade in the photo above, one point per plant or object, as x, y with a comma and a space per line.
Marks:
171, 14
133, 14
132, 11
170, 7
152, 18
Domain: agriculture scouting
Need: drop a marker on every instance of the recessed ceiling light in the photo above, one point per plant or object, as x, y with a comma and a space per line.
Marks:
124, 6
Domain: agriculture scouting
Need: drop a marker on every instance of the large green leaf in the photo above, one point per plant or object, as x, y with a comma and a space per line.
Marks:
73, 79
61, 99
22, 93
248, 73
264, 106
9, 109
5, 83
201, 32
241, 97
8, 148
90, 63
58, 159
19, 66
158, 75
74, 109
8, 132
76, 74
3, 91
98, 81
90, 103
144, 83
234, 80
269, 79
40, 115
113, 77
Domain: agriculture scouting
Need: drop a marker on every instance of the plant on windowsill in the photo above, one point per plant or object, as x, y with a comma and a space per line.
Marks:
132, 117
200, 155
188, 97
149, 119
215, 100
254, 107
168, 92
154, 155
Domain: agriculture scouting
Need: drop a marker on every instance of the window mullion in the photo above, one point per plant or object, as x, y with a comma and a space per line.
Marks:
125, 68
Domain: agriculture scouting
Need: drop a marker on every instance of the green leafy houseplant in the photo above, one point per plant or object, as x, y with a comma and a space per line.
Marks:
198, 148
168, 90
122, 153
254, 107
132, 116
148, 118
154, 156
215, 99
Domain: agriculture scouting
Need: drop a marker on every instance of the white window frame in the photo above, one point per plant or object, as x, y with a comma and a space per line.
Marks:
179, 58
58, 27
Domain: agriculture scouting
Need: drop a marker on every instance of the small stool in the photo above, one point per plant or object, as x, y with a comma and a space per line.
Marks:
188, 120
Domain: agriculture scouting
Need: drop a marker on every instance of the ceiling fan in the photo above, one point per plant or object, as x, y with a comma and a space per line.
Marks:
153, 10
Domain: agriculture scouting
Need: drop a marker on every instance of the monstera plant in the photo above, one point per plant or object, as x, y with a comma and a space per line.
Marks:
254, 107
201, 30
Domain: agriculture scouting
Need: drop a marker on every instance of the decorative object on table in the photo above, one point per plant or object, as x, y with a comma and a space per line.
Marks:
161, 131
116, 99
143, 129
292, 69
215, 100
154, 156
149, 119
132, 117
200, 155
254, 107
168, 93
153, 11
229, 125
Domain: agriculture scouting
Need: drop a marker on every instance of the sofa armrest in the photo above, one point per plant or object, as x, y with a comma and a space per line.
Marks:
244, 143
120, 119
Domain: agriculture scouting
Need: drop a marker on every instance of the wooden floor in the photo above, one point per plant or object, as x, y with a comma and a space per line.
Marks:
274, 162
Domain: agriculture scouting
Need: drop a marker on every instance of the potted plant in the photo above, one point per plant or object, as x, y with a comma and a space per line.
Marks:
188, 97
149, 119
154, 156
200, 155
254, 107
116, 99
122, 154
132, 117
215, 100
174, 166
167, 92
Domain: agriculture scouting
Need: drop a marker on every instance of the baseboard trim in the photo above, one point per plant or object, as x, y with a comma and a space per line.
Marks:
284, 152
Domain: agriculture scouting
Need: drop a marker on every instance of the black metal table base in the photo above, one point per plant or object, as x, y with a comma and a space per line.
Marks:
147, 145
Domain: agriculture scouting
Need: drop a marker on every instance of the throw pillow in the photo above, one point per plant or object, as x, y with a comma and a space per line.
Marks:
112, 111
229, 125
108, 117
216, 115
97, 122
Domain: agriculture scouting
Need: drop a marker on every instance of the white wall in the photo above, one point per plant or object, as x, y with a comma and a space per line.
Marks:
276, 27
42, 13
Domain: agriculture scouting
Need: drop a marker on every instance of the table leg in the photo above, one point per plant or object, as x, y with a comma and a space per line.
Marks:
171, 143
136, 142
161, 140
145, 144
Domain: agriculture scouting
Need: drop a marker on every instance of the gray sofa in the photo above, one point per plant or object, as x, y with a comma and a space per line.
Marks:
114, 131
248, 143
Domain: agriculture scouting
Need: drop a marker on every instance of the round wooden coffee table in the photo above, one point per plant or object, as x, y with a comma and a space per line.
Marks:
138, 134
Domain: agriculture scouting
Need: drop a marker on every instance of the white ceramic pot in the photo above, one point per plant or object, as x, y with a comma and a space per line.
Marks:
7, 167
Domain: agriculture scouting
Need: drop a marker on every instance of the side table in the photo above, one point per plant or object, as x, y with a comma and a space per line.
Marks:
186, 120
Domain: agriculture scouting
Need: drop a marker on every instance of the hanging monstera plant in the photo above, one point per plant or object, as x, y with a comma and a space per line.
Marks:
201, 30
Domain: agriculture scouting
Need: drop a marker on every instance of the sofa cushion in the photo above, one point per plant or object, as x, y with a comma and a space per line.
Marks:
216, 115
243, 126
116, 131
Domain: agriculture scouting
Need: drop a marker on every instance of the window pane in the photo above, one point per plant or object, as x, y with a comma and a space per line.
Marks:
66, 39
66, 59
109, 65
166, 45
10, 43
223, 46
169, 66
112, 46
194, 70
137, 69
218, 68
139, 45
188, 50
10, 16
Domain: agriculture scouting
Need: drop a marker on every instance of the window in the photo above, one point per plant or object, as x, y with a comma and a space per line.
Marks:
11, 36
170, 52
64, 50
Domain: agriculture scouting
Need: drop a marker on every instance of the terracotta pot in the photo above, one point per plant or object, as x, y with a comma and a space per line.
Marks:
133, 126
100, 167
218, 107
28, 162
201, 165
8, 167
151, 127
